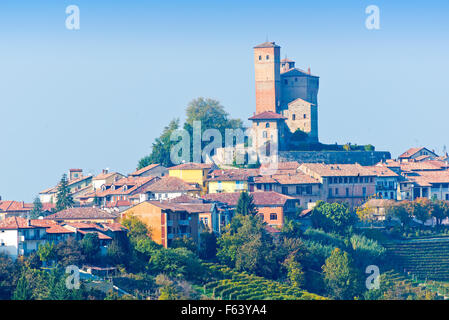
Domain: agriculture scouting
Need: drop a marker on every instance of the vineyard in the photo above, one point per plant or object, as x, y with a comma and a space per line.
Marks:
424, 259
228, 284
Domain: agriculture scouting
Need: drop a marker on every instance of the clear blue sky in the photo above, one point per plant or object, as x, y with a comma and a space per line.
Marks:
97, 97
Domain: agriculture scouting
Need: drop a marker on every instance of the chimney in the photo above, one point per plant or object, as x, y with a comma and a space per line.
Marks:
28, 222
105, 171
308, 70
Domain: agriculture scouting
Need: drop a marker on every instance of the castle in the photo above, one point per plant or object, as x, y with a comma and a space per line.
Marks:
286, 99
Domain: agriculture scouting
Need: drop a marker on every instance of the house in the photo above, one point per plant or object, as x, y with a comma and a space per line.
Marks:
230, 180
78, 185
386, 182
14, 209
83, 214
350, 183
155, 170
168, 188
378, 208
414, 153
273, 207
425, 184
105, 177
192, 173
122, 189
18, 236
167, 221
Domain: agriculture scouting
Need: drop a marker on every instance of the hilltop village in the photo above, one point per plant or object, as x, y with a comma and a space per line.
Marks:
188, 204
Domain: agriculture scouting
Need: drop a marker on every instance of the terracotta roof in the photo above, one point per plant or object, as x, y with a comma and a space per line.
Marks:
192, 166
297, 72
124, 186
118, 203
427, 178
103, 176
296, 178
264, 179
232, 174
332, 170
13, 223
186, 199
431, 165
58, 229
144, 169
410, 152
267, 115
170, 184
101, 236
381, 171
11, 206
267, 45
269, 198
81, 213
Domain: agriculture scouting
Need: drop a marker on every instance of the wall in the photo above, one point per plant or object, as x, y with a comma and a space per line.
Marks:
364, 158
10, 238
226, 186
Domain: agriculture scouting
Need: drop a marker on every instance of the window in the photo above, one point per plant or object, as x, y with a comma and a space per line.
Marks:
260, 57
447, 196
285, 190
305, 116
268, 57
347, 192
296, 79
330, 192
364, 191
267, 125
298, 190
346, 180
273, 216
336, 191
285, 81
264, 134
293, 116
309, 189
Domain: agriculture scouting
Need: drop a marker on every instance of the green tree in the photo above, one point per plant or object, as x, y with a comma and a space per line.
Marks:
136, 228
46, 252
247, 246
208, 245
160, 151
69, 252
245, 204
332, 217
23, 290
91, 246
400, 212
36, 212
184, 242
64, 198
295, 273
342, 280
420, 209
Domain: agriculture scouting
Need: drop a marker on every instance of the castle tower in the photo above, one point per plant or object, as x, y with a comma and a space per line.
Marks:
268, 79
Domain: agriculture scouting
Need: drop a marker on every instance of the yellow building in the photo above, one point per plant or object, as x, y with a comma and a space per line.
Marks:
191, 173
232, 180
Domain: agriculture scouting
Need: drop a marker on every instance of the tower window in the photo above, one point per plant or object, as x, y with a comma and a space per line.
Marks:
268, 57
267, 125
293, 116
260, 57
285, 81
264, 134
305, 116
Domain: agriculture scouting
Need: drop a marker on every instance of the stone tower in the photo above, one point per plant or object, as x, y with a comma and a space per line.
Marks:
268, 79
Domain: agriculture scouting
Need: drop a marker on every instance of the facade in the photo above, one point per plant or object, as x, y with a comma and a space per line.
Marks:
350, 183
83, 214
417, 153
104, 178
230, 180
167, 221
386, 182
169, 188
192, 173
272, 207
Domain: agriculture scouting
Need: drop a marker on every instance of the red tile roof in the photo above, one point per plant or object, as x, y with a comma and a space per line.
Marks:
13, 223
410, 152
144, 169
267, 115
232, 174
81, 213
337, 170
170, 184
192, 166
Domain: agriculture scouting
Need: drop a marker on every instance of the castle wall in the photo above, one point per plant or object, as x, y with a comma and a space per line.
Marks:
365, 158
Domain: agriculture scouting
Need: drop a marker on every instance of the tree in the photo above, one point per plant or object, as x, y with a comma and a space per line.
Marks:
136, 228
340, 277
184, 242
8, 276
247, 246
208, 245
439, 211
295, 274
400, 212
36, 212
23, 291
291, 229
332, 217
46, 252
420, 209
91, 246
160, 151
245, 204
69, 252
64, 198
